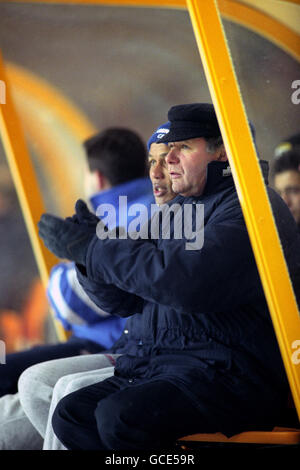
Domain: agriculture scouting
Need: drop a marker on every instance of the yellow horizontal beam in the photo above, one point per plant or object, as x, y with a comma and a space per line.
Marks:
290, 1
162, 4
23, 175
119, 3
234, 10
249, 183
263, 24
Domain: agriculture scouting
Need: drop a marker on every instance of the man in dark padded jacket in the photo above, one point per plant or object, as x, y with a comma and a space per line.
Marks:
203, 356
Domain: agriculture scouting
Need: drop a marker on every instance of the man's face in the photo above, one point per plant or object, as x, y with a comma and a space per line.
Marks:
162, 185
187, 163
287, 184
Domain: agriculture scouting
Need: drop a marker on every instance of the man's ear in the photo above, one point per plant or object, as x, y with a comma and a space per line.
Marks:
222, 155
100, 180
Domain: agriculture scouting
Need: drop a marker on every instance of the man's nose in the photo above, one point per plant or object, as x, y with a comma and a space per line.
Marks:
286, 199
172, 156
157, 172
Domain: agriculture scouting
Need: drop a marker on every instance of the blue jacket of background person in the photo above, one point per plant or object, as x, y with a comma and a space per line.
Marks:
201, 321
73, 308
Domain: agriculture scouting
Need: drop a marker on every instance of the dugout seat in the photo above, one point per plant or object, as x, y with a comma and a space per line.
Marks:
279, 435
287, 433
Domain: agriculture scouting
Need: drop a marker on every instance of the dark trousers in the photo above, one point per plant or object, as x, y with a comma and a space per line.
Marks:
110, 416
17, 362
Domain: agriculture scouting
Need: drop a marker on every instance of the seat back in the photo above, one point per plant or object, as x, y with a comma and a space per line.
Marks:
278, 435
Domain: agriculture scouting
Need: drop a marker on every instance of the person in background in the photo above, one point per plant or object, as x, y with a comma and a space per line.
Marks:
289, 143
286, 173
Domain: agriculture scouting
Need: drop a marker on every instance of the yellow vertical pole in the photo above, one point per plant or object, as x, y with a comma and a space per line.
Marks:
25, 181
247, 175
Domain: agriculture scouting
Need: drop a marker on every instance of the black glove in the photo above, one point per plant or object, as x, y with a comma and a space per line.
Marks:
83, 215
67, 238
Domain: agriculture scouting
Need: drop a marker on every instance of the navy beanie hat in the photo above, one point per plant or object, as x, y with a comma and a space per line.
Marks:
160, 132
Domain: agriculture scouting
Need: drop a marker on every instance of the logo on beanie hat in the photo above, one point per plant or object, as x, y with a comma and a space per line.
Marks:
160, 132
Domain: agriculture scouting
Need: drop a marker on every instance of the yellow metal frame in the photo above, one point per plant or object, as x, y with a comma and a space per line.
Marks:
24, 178
247, 175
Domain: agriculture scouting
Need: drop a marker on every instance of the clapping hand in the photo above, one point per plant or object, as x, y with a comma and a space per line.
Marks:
69, 238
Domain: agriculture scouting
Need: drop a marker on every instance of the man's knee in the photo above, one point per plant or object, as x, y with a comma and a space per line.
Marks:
74, 423
35, 397
111, 428
62, 416
38, 375
118, 424
28, 377
31, 379
61, 387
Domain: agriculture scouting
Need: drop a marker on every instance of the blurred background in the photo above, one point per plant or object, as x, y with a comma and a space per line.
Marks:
74, 69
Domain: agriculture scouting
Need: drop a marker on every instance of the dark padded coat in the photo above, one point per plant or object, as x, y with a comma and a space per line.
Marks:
199, 318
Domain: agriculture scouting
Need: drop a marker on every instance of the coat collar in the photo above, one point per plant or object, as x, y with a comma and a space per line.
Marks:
219, 178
